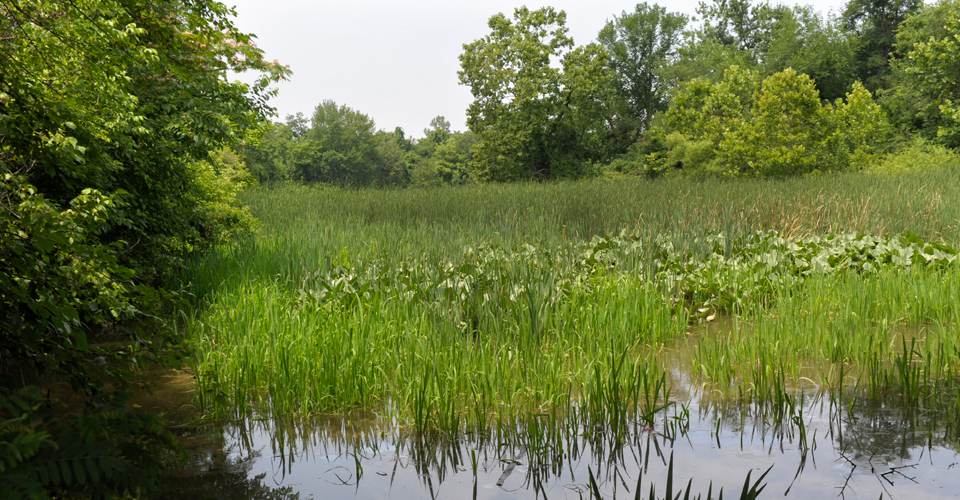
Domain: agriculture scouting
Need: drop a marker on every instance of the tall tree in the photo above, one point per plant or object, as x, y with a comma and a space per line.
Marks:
343, 147
927, 98
438, 131
538, 108
805, 41
768, 39
739, 24
640, 44
875, 23
731, 33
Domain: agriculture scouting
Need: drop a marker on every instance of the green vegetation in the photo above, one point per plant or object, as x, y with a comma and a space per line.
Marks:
754, 89
126, 149
478, 308
774, 128
535, 118
113, 120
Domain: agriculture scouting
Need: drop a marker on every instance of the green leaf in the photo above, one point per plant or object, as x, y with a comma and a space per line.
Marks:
92, 470
79, 471
45, 245
66, 473
42, 473
80, 339
54, 470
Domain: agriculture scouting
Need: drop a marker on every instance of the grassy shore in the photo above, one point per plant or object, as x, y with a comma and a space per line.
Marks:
461, 309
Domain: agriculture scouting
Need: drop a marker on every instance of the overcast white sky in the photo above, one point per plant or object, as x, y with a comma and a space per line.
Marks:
396, 61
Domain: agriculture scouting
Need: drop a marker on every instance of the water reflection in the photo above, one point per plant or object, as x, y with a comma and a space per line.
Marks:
819, 444
222, 467
817, 448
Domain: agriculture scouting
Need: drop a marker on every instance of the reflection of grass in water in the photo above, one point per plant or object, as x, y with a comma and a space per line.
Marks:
749, 492
350, 444
471, 309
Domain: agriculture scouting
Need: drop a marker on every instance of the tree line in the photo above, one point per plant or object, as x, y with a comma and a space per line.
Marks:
341, 146
741, 88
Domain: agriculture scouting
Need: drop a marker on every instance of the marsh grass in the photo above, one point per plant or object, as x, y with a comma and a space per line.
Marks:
476, 308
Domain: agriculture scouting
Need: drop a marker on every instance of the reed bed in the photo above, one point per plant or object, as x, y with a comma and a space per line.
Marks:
474, 308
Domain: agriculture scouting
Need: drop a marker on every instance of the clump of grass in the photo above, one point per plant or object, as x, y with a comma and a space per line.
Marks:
265, 349
886, 335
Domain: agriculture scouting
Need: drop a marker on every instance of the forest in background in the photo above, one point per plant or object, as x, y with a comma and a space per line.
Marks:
754, 89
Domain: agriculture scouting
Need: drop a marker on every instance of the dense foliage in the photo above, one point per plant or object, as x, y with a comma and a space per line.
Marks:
113, 117
776, 127
479, 309
539, 104
640, 45
817, 94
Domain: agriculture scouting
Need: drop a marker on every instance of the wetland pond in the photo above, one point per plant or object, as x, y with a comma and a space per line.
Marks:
811, 444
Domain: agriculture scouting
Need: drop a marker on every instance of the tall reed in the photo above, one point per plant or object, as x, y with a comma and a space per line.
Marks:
461, 309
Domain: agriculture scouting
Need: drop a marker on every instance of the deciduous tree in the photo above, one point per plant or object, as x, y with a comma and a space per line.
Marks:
640, 44
539, 101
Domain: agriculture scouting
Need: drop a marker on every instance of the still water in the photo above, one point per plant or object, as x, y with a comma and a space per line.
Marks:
843, 449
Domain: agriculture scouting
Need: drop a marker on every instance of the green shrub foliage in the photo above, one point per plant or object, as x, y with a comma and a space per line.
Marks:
774, 127
131, 96
919, 155
116, 121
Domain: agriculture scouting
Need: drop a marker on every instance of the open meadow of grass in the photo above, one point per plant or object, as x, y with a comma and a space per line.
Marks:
465, 309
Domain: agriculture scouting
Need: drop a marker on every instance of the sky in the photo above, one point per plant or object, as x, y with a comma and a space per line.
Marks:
396, 61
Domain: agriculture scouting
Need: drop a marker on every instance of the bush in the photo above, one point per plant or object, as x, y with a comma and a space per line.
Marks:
920, 155
111, 118
775, 128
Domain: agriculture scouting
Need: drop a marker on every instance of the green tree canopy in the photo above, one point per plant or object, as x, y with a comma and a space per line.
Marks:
539, 101
777, 126
875, 23
438, 131
808, 43
340, 147
640, 44
927, 93
739, 24
768, 39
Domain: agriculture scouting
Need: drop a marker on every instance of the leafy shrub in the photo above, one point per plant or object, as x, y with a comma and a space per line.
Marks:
643, 157
111, 116
918, 156
777, 127
683, 151
57, 282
